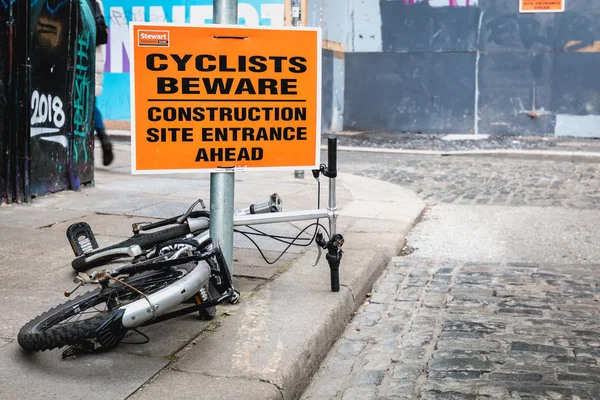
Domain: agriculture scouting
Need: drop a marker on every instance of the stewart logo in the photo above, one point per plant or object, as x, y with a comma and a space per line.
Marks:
153, 38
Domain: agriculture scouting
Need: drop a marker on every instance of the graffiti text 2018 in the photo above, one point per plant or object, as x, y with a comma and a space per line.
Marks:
47, 108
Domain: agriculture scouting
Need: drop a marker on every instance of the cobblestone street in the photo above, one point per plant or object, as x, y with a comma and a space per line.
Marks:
479, 311
463, 180
470, 331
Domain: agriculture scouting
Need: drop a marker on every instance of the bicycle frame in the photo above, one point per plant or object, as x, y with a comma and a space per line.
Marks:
171, 296
198, 223
187, 272
161, 305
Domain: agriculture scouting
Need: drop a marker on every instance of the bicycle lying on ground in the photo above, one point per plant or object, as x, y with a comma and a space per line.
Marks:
174, 271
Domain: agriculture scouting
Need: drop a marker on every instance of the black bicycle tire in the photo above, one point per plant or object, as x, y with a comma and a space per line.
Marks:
32, 338
145, 241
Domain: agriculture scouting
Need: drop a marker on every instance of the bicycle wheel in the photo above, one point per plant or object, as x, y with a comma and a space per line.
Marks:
88, 317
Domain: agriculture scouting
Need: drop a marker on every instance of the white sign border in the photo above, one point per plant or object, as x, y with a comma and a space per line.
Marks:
135, 171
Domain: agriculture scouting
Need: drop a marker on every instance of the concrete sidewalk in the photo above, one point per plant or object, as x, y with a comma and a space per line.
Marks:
266, 347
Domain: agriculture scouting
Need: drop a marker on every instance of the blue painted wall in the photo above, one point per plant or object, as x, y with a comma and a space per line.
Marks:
114, 101
440, 66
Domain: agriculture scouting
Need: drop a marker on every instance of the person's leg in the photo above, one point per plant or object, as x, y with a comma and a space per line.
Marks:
107, 154
98, 123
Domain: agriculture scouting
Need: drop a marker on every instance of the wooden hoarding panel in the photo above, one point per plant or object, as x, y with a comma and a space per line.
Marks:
531, 6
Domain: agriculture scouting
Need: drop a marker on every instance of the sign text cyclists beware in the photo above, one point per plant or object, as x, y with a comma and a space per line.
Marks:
213, 98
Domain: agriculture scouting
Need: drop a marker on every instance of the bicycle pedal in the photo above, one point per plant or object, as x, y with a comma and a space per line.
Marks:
235, 298
81, 238
87, 347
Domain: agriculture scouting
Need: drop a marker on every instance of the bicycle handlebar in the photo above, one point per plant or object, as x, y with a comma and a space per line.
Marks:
197, 221
144, 241
198, 225
172, 220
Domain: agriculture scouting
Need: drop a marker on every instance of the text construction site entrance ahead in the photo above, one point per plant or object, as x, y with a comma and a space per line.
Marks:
214, 98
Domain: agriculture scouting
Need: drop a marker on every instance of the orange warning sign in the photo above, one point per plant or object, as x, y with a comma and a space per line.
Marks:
214, 98
542, 6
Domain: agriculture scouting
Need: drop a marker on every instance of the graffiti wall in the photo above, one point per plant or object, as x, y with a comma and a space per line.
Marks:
49, 105
467, 66
60, 96
114, 102
4, 65
80, 160
48, 139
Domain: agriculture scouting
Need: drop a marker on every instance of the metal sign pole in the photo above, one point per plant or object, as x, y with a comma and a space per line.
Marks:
296, 13
297, 21
222, 184
225, 12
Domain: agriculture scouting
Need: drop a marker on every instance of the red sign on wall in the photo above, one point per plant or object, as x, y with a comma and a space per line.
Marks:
532, 6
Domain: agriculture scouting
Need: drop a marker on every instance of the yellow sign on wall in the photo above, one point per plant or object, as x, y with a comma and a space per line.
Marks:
531, 6
213, 98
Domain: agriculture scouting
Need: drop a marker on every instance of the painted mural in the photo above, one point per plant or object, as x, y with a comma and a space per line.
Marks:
81, 161
114, 101
4, 57
60, 144
46, 69
48, 96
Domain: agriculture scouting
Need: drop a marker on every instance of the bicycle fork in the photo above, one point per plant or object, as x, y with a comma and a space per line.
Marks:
336, 240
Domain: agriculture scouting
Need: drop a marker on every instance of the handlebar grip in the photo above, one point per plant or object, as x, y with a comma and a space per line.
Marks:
334, 257
172, 220
332, 156
159, 224
335, 279
79, 264
147, 240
